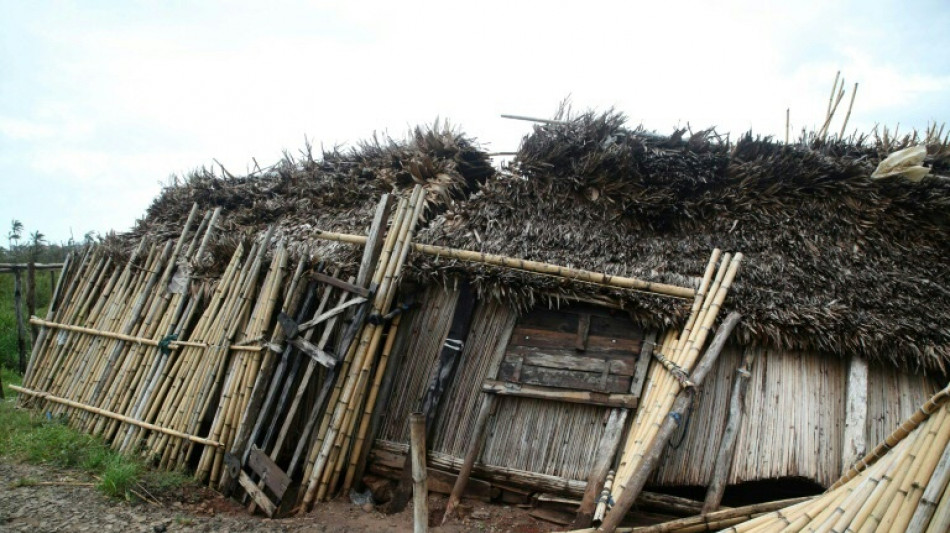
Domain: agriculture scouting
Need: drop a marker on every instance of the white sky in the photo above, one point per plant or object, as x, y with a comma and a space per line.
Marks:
100, 102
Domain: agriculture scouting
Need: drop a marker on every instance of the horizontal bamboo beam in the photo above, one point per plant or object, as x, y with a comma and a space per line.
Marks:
173, 345
116, 416
10, 267
588, 276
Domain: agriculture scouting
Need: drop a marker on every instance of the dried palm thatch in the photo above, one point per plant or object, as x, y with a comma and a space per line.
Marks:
836, 262
337, 191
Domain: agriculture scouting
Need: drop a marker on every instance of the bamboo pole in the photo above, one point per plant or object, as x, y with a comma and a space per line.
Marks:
684, 350
420, 488
388, 270
537, 267
101, 412
936, 488
638, 479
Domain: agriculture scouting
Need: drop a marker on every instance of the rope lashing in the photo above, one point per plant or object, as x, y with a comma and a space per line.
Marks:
164, 345
678, 372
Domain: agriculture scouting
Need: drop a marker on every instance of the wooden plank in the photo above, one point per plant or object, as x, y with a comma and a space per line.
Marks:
319, 356
563, 395
442, 482
583, 330
550, 320
643, 364
330, 314
856, 413
340, 284
619, 327
257, 494
527, 336
573, 379
271, 474
620, 363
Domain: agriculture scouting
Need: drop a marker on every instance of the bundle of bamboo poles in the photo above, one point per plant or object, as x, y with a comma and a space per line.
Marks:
662, 387
904, 489
136, 356
339, 432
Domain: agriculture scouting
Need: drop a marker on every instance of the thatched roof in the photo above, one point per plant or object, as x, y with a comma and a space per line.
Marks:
336, 192
836, 262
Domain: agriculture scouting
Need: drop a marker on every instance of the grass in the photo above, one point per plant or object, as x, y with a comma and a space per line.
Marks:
37, 439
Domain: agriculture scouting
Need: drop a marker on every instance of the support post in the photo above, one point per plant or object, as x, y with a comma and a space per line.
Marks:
856, 413
420, 487
31, 297
474, 448
20, 329
727, 446
602, 463
638, 477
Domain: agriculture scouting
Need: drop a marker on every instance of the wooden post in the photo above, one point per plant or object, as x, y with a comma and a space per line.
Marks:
31, 296
856, 413
20, 329
727, 446
602, 463
420, 487
474, 448
638, 477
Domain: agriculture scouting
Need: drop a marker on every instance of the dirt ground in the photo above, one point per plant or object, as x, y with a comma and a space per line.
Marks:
65, 501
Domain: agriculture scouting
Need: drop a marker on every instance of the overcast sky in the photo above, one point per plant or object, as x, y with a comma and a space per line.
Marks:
100, 102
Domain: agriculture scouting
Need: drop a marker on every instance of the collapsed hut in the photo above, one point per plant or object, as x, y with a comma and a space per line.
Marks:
546, 318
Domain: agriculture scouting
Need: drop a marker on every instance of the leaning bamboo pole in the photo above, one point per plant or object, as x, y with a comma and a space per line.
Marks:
658, 400
388, 287
371, 404
102, 412
324, 427
388, 272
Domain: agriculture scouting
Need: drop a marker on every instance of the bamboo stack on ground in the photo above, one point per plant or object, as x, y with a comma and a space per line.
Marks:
141, 358
661, 388
904, 489
329, 453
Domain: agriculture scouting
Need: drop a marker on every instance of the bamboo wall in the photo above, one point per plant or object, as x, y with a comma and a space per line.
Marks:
892, 397
794, 417
793, 426
536, 436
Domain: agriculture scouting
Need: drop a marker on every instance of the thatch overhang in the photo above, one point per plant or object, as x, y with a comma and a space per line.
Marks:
836, 262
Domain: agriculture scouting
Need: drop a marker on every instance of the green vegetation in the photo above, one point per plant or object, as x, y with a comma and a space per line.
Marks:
23, 247
33, 438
